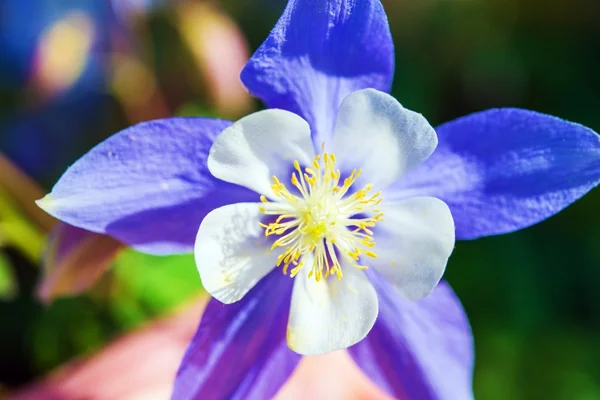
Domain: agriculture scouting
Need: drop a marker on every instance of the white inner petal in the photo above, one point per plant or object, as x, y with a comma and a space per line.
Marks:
413, 244
232, 253
331, 314
375, 132
258, 146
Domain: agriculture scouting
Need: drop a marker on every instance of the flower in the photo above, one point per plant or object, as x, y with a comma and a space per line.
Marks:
325, 227
152, 185
53, 63
33, 33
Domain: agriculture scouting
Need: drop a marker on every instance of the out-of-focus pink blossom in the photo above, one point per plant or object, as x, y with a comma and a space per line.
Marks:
75, 260
220, 51
142, 366
332, 376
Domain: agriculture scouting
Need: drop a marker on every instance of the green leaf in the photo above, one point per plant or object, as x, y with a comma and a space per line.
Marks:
151, 285
16, 230
194, 110
8, 282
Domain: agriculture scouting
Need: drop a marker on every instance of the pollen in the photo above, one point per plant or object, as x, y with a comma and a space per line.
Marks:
321, 218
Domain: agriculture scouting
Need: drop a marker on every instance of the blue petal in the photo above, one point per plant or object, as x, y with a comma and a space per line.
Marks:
148, 185
239, 351
418, 350
319, 52
505, 169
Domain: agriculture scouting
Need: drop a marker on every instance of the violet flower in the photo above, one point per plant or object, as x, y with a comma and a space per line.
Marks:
326, 66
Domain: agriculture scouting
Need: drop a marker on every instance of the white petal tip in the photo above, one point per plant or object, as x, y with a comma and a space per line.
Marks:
45, 203
307, 348
419, 291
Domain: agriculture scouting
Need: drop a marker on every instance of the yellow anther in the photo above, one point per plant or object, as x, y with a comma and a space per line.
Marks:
296, 269
322, 221
295, 180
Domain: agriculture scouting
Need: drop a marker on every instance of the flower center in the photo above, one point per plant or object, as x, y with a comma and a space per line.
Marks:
322, 219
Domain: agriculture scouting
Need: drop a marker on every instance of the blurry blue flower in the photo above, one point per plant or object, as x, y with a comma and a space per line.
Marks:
54, 42
52, 60
153, 184
43, 141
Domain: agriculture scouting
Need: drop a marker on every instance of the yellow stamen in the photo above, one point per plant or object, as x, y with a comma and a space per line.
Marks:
321, 221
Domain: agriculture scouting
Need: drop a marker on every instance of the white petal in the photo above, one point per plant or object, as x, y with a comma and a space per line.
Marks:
330, 314
413, 243
374, 132
261, 145
232, 253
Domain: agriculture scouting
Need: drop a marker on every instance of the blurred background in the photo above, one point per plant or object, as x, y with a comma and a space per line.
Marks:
72, 72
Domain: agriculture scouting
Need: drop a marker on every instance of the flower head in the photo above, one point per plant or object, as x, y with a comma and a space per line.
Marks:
324, 71
325, 227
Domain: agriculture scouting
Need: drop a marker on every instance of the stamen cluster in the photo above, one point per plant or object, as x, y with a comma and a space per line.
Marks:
320, 220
